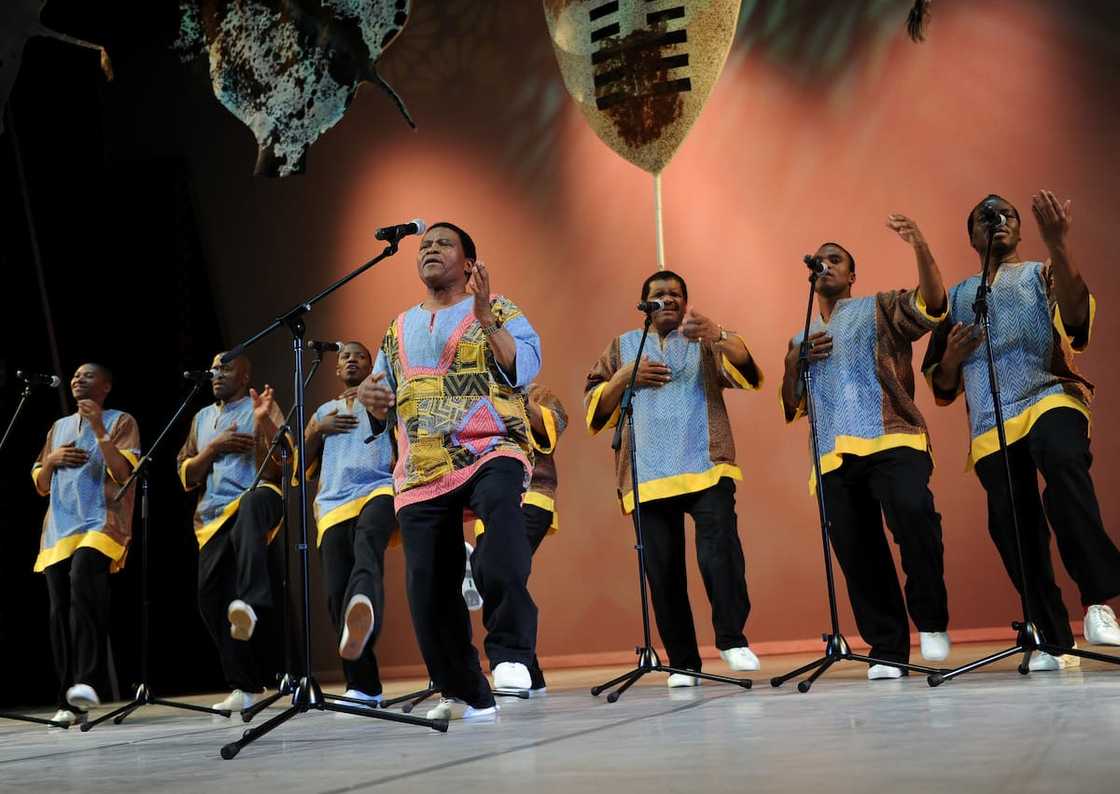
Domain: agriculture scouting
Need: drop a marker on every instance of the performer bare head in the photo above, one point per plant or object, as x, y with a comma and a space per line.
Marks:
354, 363
231, 381
1005, 240
667, 286
837, 282
447, 254
91, 382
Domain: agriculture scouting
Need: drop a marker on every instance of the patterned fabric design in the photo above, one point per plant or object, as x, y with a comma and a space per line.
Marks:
1034, 359
455, 407
81, 497
545, 481
349, 468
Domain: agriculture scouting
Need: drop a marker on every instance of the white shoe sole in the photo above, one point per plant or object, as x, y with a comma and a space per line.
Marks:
241, 622
359, 628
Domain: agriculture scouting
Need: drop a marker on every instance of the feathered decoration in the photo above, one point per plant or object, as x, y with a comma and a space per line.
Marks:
918, 19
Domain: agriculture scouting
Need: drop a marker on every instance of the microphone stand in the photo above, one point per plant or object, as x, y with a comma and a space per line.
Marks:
307, 694
836, 647
648, 660
1028, 638
24, 397
144, 695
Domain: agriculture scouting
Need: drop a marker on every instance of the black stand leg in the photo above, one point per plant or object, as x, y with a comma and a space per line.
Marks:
836, 647
648, 661
1029, 639
36, 720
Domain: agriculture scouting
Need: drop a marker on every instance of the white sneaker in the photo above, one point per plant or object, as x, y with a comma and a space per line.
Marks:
450, 709
242, 620
512, 675
1100, 626
677, 680
935, 645
357, 627
740, 659
470, 591
878, 672
67, 717
357, 694
236, 701
1042, 662
83, 697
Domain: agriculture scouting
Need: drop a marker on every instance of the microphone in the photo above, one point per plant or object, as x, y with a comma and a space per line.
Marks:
199, 374
324, 347
414, 226
649, 307
34, 379
816, 264
991, 216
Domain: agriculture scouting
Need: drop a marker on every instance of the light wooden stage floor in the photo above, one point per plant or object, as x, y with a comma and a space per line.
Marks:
987, 731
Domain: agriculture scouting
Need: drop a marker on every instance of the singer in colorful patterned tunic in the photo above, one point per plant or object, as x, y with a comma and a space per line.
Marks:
86, 532
874, 448
228, 441
452, 370
355, 518
1041, 316
686, 464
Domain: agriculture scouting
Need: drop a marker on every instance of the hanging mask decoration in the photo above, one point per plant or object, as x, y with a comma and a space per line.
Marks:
288, 69
641, 71
19, 21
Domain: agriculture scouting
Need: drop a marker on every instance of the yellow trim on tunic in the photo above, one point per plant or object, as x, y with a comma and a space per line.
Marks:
183, 475
862, 447
678, 484
920, 303
737, 374
1019, 426
592, 405
549, 420
537, 500
349, 510
127, 455
798, 411
1060, 325
94, 539
207, 530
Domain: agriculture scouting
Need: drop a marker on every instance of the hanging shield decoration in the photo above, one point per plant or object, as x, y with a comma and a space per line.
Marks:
641, 70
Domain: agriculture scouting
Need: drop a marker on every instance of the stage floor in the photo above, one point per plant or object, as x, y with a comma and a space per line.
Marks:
987, 731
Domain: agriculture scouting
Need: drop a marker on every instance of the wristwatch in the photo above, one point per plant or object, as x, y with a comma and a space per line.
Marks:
490, 330
722, 334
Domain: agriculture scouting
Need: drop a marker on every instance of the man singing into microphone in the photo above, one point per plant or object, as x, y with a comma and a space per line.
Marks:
452, 369
86, 458
874, 448
1041, 315
686, 464
227, 443
355, 518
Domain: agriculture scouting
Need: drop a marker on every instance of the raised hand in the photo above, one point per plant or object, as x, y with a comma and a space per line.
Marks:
262, 403
906, 228
334, 423
1053, 218
478, 284
91, 412
961, 343
699, 328
377, 397
67, 456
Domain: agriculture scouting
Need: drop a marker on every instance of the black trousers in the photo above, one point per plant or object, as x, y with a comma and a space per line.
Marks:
79, 619
537, 522
234, 564
893, 483
434, 561
1058, 448
352, 556
722, 567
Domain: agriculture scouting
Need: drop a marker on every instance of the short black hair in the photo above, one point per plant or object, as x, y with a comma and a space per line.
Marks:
851, 258
984, 201
659, 276
469, 250
104, 370
359, 344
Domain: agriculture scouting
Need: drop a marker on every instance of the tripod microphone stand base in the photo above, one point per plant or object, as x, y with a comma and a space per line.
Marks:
308, 696
413, 699
838, 650
286, 687
648, 662
36, 720
1028, 641
144, 697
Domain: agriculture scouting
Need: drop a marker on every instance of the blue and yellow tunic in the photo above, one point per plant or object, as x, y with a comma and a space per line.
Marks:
864, 392
1033, 351
350, 471
82, 511
456, 408
688, 445
231, 474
